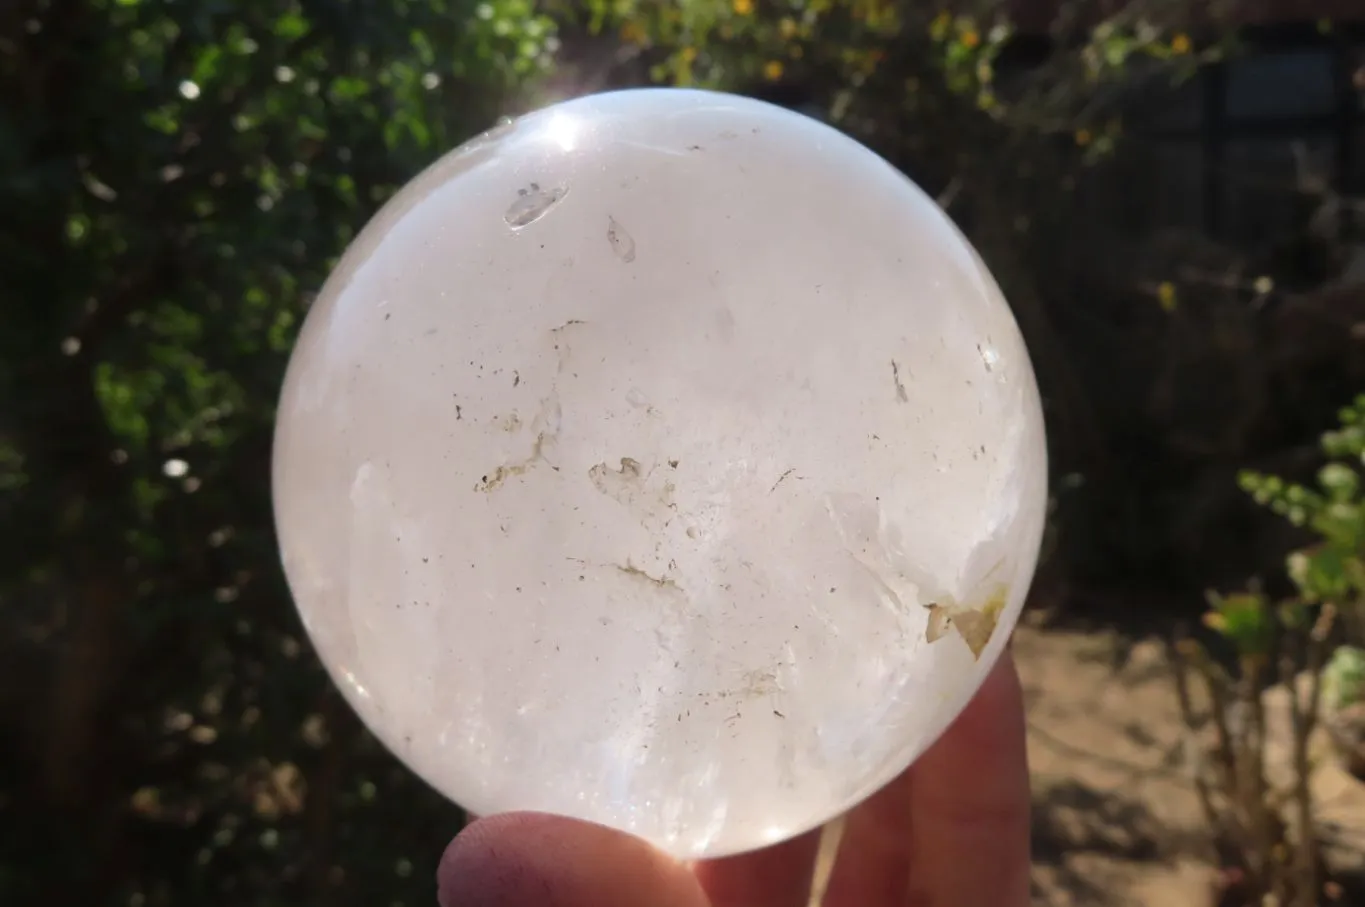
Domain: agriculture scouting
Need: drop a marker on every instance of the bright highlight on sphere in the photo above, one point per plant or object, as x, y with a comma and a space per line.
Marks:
664, 459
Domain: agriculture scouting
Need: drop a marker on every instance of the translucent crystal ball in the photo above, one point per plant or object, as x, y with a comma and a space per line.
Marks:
664, 459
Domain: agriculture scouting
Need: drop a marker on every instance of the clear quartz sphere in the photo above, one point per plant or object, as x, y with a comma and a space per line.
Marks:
664, 459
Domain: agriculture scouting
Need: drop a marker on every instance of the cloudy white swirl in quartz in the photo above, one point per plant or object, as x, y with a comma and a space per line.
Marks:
619, 461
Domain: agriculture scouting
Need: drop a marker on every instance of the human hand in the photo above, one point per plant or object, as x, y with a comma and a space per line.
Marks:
952, 831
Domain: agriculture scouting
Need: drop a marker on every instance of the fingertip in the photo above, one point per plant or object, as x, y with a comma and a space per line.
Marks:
776, 876
969, 794
997, 709
525, 859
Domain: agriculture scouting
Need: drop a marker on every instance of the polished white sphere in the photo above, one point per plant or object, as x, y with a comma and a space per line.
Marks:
664, 459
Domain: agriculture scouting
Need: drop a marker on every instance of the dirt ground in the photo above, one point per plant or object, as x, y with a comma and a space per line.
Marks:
1115, 819
1116, 822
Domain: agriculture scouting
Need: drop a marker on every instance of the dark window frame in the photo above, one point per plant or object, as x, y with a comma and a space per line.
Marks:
1214, 128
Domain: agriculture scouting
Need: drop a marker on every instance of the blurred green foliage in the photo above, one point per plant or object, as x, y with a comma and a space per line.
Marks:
1344, 678
176, 180
1329, 570
1283, 643
1332, 569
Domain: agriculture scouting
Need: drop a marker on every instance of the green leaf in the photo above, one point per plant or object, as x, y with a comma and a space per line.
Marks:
1244, 619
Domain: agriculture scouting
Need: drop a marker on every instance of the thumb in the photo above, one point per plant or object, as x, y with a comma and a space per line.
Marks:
538, 860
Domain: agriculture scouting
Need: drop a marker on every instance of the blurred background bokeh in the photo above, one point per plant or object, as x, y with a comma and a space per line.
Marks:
1167, 190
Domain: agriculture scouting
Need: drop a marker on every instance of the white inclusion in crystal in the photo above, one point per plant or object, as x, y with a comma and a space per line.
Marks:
532, 203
